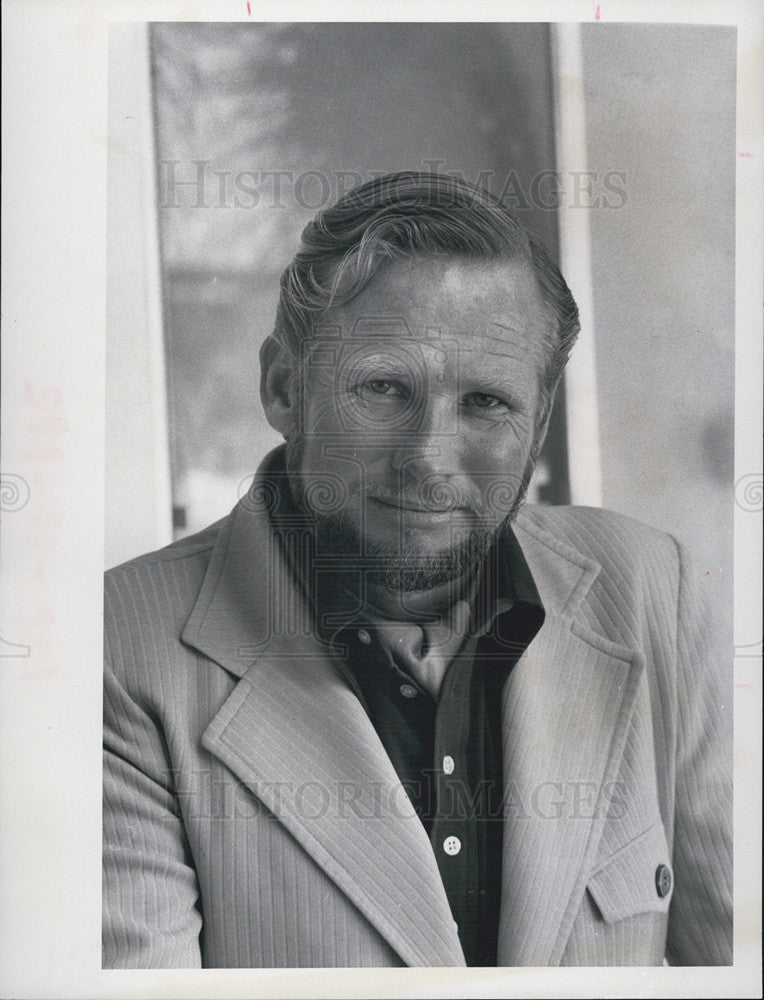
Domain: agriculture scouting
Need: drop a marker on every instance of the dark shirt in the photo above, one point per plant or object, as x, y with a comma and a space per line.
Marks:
447, 751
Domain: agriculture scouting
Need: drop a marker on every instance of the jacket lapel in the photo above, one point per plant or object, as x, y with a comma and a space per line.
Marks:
566, 712
298, 737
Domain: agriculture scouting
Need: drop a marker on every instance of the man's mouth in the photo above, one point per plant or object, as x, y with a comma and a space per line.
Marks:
411, 508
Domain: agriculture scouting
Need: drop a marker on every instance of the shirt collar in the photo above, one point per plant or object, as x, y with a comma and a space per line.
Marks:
505, 584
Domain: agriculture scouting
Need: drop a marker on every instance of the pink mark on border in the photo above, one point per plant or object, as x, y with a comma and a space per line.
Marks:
745, 154
597, 13
744, 685
249, 9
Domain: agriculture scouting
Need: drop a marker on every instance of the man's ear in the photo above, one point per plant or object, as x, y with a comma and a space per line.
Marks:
542, 423
543, 417
278, 386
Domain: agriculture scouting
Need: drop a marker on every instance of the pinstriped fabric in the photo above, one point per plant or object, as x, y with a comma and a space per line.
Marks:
618, 885
623, 918
147, 862
648, 592
271, 906
593, 942
703, 792
563, 772
197, 870
211, 858
339, 795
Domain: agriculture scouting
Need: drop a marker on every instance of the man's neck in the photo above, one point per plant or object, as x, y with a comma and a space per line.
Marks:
415, 605
350, 592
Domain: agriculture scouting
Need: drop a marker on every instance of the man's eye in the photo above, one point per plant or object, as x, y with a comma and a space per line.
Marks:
385, 387
484, 401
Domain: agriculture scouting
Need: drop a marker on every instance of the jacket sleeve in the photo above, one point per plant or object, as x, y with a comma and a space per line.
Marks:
700, 918
151, 917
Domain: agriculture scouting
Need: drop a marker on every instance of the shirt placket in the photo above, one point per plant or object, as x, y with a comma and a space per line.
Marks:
453, 829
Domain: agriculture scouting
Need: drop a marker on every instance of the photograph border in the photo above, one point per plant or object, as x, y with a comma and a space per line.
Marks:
54, 294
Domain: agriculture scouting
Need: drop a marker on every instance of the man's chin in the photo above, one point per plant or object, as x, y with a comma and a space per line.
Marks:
410, 565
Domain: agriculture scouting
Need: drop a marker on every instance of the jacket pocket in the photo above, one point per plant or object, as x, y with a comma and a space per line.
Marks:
638, 879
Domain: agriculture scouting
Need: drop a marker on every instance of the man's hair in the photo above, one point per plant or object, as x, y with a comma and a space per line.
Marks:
404, 215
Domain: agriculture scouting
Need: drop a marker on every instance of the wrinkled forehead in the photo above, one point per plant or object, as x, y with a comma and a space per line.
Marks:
489, 312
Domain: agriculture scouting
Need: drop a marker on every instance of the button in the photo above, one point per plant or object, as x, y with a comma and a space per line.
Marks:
364, 636
448, 764
408, 690
452, 845
663, 880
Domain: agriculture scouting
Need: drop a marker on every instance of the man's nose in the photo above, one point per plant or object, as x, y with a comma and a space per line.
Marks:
431, 442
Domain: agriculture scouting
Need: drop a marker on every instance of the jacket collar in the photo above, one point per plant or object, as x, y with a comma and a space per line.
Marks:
249, 605
298, 737
562, 574
567, 710
292, 725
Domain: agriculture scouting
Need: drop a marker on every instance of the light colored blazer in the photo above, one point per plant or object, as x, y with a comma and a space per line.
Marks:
253, 819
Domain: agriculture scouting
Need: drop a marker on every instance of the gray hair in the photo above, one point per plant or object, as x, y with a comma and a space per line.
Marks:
401, 216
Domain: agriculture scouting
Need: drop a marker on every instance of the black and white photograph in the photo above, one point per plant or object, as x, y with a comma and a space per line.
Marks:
427, 637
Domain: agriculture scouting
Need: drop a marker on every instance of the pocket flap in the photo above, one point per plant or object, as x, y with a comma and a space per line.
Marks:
637, 879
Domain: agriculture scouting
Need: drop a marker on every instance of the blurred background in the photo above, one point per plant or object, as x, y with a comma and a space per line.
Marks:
614, 143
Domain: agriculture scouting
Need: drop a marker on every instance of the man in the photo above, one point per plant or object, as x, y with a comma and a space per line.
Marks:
382, 714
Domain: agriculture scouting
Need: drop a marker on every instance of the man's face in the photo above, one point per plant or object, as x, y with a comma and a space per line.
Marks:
419, 401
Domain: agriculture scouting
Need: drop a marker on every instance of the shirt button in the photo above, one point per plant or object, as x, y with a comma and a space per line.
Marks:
364, 636
663, 880
452, 845
408, 690
448, 764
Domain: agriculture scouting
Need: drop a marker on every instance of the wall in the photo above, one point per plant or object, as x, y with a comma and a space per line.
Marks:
660, 106
137, 483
